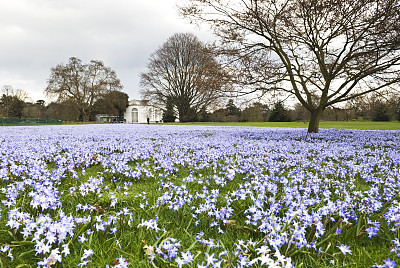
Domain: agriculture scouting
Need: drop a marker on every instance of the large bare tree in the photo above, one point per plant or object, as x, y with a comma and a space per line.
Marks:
323, 52
184, 71
82, 83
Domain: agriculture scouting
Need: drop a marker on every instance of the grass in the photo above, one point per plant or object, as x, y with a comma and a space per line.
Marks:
362, 125
28, 124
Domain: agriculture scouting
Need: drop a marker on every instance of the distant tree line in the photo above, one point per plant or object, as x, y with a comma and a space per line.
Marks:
81, 90
15, 105
255, 112
372, 109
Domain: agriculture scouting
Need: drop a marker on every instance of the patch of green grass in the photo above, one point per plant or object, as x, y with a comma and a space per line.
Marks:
364, 125
28, 124
82, 123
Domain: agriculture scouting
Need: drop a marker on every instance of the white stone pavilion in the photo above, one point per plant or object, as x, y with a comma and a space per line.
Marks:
139, 110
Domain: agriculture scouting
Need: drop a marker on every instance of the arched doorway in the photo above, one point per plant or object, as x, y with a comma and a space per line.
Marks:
135, 115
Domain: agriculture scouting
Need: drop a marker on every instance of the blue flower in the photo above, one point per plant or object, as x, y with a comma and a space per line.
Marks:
344, 249
389, 263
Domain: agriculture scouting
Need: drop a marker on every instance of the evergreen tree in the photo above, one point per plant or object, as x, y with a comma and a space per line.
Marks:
204, 116
279, 113
169, 113
380, 113
232, 109
398, 112
232, 112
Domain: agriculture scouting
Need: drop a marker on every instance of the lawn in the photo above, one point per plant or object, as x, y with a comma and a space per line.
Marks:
28, 121
124, 195
370, 125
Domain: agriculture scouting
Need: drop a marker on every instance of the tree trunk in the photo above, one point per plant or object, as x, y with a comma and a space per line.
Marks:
84, 115
313, 125
85, 118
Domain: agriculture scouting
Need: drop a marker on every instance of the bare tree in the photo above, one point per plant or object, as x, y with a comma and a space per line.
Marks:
185, 72
323, 52
17, 93
82, 83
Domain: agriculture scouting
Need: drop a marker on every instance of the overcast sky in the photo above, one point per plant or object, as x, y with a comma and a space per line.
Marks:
39, 34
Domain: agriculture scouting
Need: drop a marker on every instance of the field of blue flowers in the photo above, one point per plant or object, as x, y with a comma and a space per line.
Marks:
196, 196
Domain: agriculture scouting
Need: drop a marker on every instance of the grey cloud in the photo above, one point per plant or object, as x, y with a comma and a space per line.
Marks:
39, 34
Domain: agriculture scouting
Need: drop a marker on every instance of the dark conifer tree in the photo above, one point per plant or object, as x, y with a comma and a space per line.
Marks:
380, 113
169, 113
279, 113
